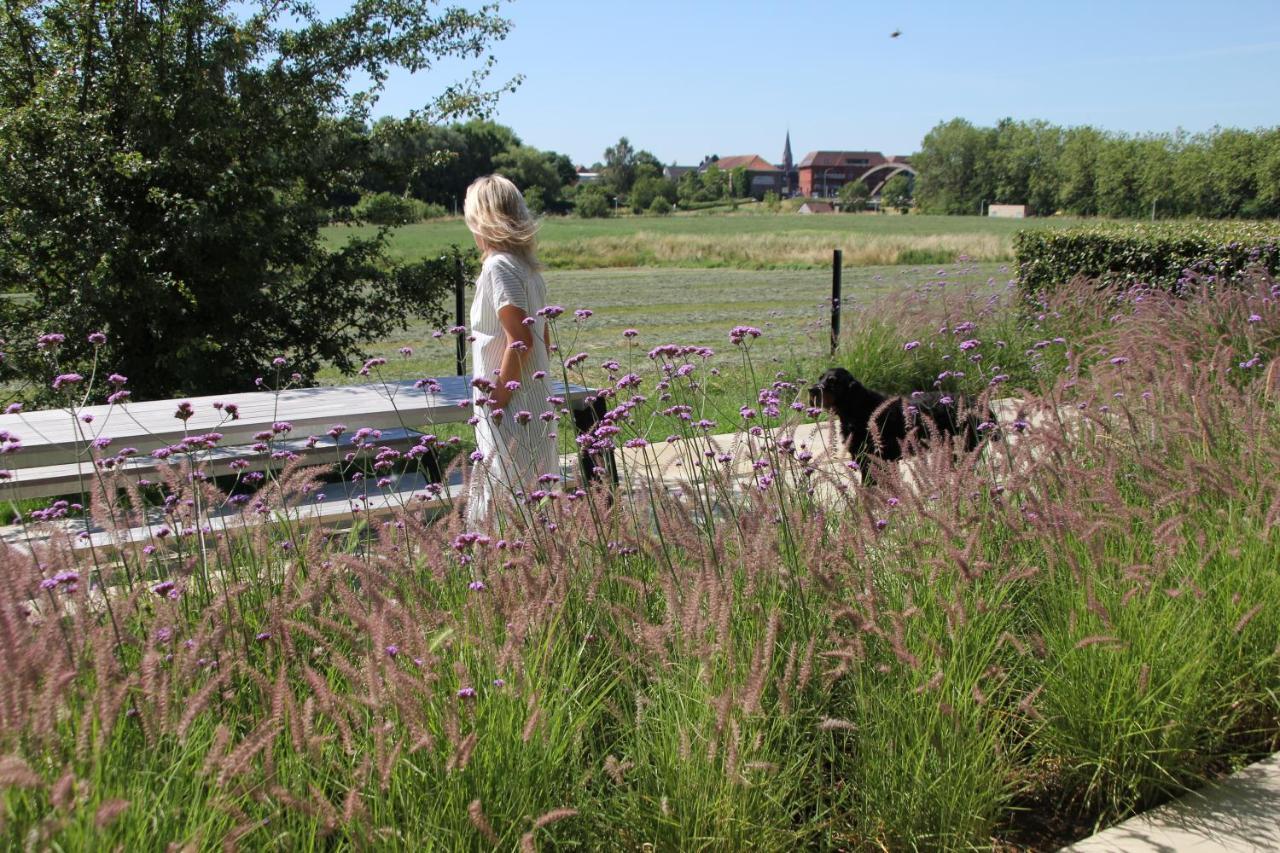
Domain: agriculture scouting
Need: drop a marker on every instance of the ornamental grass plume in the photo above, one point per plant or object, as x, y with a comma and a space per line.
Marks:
741, 644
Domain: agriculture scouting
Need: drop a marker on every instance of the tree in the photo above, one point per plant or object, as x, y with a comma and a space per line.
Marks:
591, 202
689, 187
647, 165
739, 182
433, 162
713, 183
648, 188
954, 167
1115, 182
660, 206
620, 166
772, 202
1025, 164
1078, 169
897, 193
170, 189
1267, 174
534, 172
854, 196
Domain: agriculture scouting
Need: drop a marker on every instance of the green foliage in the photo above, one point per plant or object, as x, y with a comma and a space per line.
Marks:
591, 202
649, 188
897, 193
1088, 172
689, 187
388, 209
535, 172
171, 190
660, 206
953, 166
772, 202
435, 162
1164, 255
739, 183
854, 196
713, 184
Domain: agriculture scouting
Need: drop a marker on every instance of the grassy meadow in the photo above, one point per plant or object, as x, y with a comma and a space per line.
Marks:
698, 307
742, 241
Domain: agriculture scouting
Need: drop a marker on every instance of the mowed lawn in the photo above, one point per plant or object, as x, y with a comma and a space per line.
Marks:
697, 306
742, 241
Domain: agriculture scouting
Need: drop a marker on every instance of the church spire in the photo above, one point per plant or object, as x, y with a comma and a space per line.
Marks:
786, 162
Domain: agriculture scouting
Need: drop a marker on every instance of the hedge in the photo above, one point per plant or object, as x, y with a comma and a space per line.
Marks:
1165, 255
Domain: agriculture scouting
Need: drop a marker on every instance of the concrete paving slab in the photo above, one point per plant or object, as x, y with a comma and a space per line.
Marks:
1240, 814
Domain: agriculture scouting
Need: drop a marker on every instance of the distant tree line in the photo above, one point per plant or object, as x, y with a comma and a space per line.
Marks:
1086, 171
416, 168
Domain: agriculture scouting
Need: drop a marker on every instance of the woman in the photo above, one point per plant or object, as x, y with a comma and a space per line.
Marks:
516, 440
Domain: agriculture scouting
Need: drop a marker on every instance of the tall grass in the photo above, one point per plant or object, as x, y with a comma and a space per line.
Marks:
770, 251
1084, 613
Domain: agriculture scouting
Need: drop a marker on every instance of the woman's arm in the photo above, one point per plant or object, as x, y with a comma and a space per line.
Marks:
519, 340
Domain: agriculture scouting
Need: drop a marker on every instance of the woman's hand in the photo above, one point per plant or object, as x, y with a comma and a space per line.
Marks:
499, 398
519, 341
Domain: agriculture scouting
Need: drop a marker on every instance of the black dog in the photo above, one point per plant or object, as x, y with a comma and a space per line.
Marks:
895, 418
594, 465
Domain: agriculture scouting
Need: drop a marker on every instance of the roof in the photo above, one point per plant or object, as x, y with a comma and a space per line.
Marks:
750, 162
816, 207
828, 159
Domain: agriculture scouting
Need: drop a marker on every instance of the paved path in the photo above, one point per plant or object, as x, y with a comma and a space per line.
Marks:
1238, 815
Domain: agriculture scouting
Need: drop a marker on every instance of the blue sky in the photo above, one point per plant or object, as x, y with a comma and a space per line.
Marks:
684, 79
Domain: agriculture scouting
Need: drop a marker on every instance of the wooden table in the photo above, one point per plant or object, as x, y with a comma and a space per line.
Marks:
52, 437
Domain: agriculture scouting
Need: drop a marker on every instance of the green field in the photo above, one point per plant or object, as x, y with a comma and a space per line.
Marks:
744, 241
693, 307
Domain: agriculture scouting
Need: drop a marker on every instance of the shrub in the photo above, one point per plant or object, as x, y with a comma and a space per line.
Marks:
648, 188
854, 196
1167, 255
660, 206
592, 203
388, 209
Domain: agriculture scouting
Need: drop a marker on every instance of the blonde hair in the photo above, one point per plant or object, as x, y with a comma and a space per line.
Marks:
496, 213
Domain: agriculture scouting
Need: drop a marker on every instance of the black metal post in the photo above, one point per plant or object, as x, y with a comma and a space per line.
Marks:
836, 262
459, 285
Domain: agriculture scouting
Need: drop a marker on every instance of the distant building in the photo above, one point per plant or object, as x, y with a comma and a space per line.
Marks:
816, 207
823, 173
675, 173
762, 176
1007, 211
586, 176
788, 170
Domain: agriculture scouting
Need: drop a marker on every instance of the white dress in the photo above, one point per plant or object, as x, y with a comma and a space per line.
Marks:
521, 448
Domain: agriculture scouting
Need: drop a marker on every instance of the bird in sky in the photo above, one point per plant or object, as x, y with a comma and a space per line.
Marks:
895, 34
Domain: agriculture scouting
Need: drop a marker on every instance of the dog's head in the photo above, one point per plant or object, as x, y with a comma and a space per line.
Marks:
832, 386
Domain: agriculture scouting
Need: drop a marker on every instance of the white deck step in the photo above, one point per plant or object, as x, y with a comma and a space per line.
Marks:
69, 478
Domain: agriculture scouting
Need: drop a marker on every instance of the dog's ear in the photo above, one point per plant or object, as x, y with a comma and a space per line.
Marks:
839, 379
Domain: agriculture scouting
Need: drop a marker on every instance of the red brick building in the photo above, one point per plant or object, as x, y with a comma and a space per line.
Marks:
823, 173
762, 176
